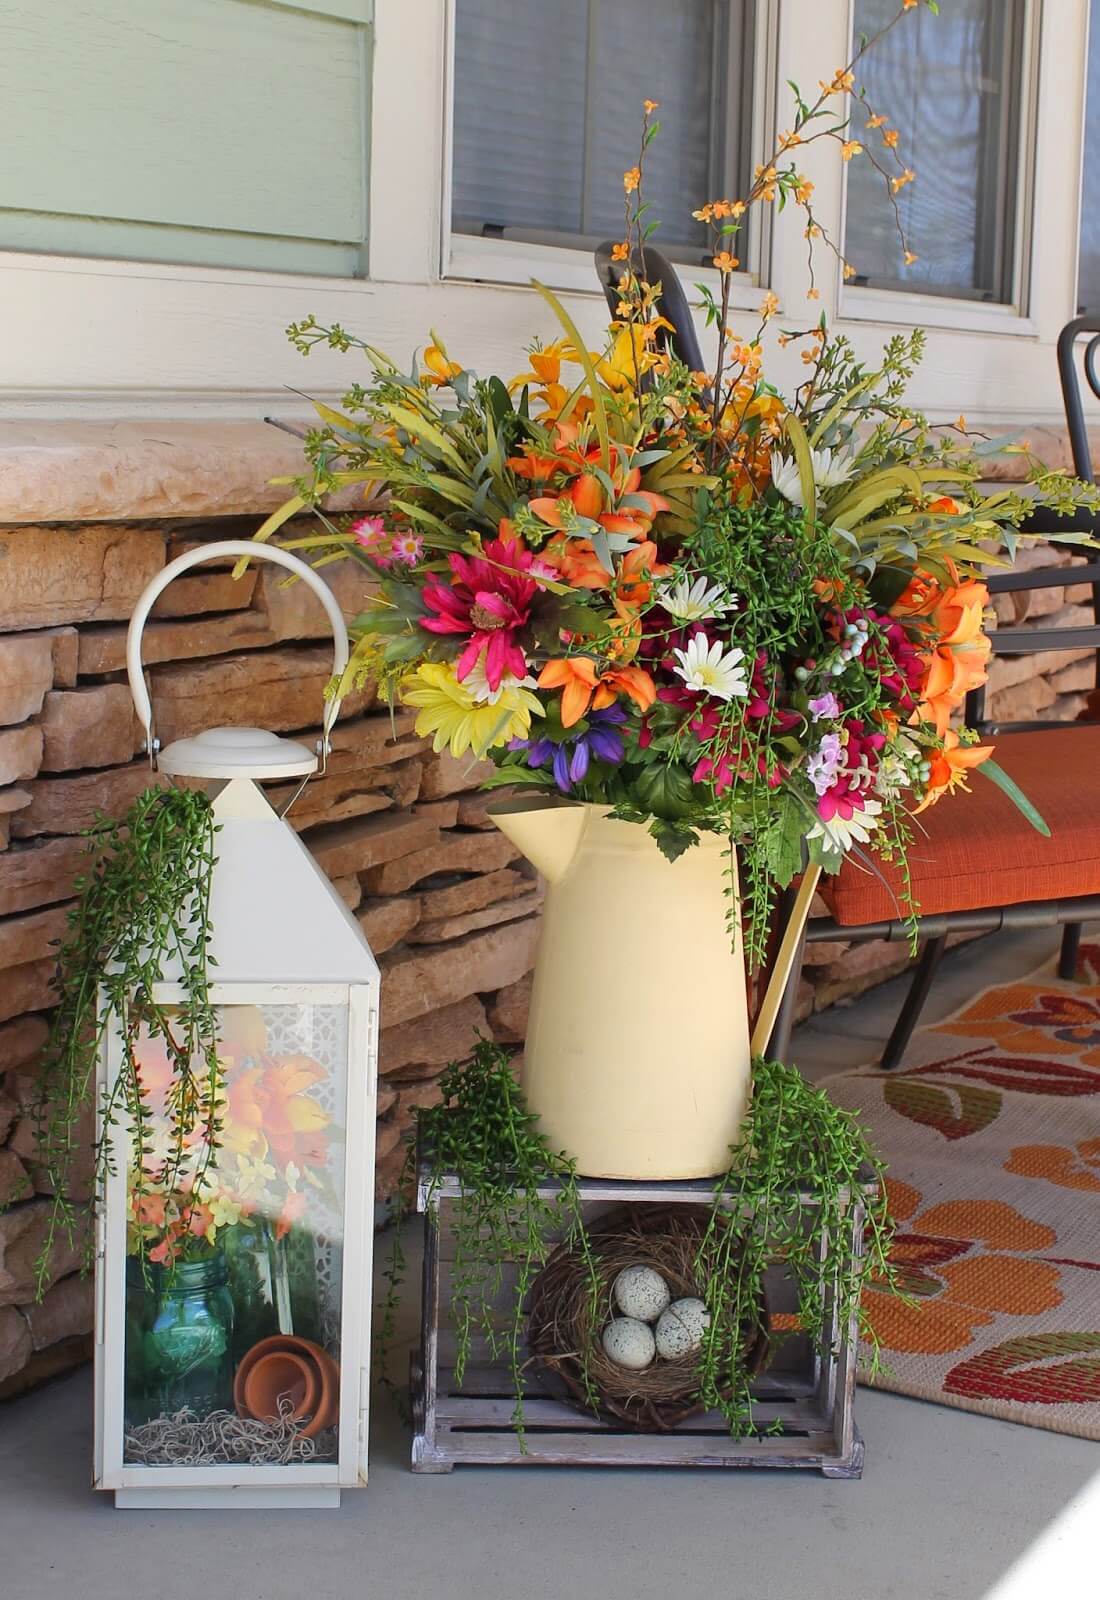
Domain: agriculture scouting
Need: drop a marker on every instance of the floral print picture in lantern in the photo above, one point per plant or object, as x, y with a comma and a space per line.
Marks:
233, 1277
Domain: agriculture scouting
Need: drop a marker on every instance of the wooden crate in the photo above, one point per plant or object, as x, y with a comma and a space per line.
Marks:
808, 1392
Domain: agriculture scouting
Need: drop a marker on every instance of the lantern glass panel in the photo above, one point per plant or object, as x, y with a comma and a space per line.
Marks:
234, 1247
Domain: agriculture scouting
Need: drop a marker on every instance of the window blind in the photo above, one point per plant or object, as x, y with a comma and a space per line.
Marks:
951, 85
548, 111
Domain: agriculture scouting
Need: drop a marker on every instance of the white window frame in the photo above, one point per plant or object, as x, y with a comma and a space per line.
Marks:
465, 257
869, 304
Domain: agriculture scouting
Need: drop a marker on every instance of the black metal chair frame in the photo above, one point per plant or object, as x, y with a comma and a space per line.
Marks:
1068, 913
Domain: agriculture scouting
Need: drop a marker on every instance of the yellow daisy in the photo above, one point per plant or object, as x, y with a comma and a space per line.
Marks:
457, 721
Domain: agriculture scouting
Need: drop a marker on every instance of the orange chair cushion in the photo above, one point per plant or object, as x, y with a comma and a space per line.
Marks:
975, 850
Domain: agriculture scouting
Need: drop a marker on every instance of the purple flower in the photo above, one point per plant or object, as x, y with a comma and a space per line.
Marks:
569, 758
825, 762
825, 705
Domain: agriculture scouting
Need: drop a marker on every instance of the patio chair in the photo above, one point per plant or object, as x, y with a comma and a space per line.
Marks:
978, 865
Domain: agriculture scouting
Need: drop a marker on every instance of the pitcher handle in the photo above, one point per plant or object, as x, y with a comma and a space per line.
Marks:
209, 552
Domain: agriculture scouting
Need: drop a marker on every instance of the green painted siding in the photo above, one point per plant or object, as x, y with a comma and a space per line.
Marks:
224, 132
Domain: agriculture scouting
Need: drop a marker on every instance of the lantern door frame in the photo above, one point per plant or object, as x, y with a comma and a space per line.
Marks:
237, 1486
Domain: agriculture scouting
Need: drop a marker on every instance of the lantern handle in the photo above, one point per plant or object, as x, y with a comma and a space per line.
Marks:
210, 552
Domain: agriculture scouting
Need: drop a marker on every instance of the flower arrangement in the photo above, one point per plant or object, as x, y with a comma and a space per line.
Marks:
684, 595
272, 1139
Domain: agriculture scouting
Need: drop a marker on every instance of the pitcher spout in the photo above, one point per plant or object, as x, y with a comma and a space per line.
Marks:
547, 831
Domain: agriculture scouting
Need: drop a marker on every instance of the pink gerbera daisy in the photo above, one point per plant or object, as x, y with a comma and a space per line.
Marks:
487, 599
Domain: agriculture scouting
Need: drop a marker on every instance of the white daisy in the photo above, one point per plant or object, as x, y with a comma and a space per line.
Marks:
478, 684
841, 833
711, 671
830, 468
696, 602
786, 478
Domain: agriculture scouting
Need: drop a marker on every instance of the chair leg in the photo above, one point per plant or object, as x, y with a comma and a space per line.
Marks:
919, 989
1071, 944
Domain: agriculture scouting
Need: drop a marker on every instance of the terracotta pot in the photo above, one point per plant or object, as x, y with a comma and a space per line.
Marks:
277, 1376
285, 1364
637, 1060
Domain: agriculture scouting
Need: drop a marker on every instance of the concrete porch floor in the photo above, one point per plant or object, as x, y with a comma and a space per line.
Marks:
951, 1506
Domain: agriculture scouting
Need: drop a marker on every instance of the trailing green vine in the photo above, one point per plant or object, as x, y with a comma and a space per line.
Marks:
794, 1141
483, 1133
143, 907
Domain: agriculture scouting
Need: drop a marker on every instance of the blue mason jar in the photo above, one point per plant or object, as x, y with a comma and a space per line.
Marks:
179, 1338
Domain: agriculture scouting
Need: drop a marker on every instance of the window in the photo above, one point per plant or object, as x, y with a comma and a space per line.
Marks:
548, 107
1088, 263
952, 85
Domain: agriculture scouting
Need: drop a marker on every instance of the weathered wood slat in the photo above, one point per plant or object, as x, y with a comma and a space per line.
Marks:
696, 1191
502, 1448
488, 1379
458, 1412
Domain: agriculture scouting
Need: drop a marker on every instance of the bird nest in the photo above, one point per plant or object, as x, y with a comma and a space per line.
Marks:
566, 1318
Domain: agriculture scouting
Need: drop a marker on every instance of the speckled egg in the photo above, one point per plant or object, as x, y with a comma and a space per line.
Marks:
680, 1329
641, 1292
629, 1343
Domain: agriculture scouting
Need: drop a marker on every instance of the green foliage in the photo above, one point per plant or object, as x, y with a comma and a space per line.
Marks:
793, 1138
483, 1133
143, 903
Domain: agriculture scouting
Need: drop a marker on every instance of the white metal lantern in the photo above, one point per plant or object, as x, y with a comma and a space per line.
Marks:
262, 1346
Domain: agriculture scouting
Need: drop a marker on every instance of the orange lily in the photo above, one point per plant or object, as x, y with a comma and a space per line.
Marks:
921, 594
951, 767
545, 377
586, 493
545, 366
636, 570
577, 562
959, 660
583, 688
635, 523
567, 457
441, 369
580, 566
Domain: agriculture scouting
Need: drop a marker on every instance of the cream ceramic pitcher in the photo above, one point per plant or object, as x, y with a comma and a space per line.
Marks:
637, 1058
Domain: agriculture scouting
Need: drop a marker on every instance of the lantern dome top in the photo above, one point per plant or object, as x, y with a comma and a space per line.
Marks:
237, 753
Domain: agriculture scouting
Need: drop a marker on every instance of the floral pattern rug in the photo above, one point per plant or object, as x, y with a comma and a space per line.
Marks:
991, 1135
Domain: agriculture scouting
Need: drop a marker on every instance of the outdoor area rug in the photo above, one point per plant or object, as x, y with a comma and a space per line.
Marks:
991, 1135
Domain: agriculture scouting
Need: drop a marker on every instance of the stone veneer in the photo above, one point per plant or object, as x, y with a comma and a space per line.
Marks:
88, 513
